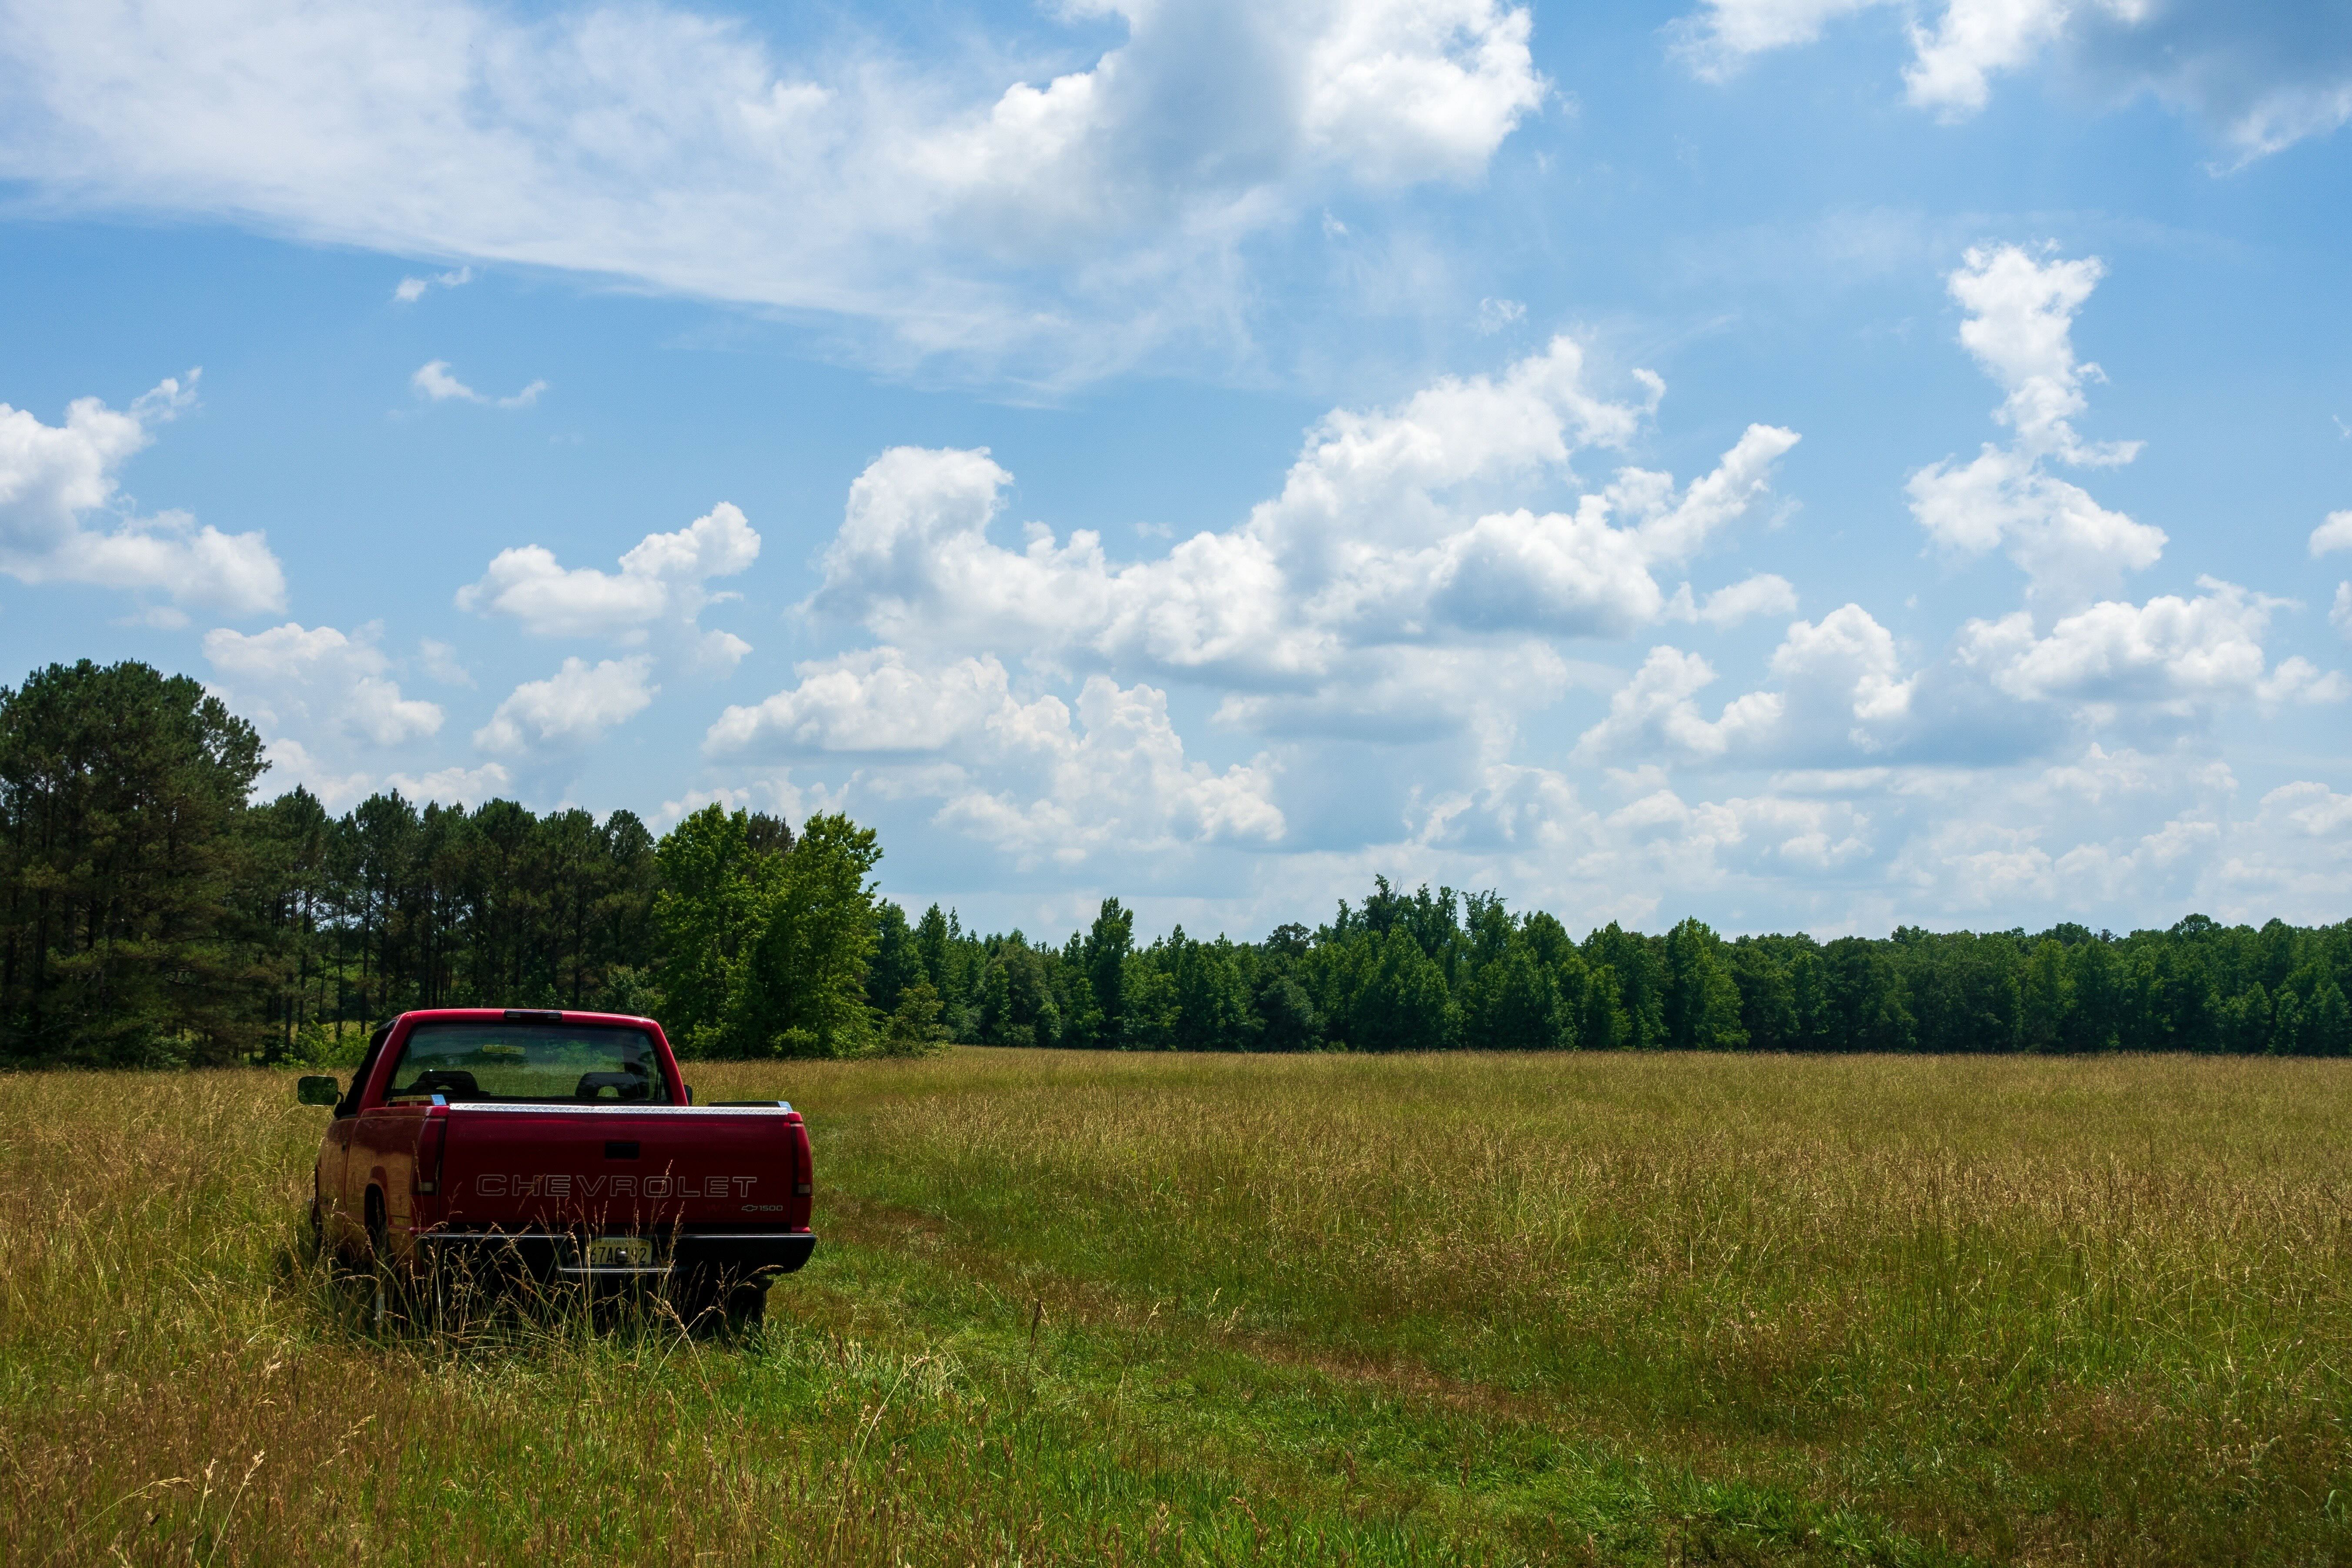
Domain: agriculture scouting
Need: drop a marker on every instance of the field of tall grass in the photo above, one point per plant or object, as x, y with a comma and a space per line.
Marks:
1130, 1309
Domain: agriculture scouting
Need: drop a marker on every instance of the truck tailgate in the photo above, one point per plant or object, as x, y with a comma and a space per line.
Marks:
624, 1167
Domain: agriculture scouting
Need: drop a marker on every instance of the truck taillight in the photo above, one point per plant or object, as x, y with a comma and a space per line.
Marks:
804, 1172
431, 1140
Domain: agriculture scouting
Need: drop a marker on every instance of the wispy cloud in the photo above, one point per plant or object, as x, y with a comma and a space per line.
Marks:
980, 213
411, 289
434, 381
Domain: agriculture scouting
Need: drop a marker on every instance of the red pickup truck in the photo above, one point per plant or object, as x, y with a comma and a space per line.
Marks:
477, 1141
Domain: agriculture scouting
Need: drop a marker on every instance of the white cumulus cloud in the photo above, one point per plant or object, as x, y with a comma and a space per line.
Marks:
662, 587
61, 521
2332, 535
1656, 713
2259, 75
1397, 588
325, 702
2291, 861
1116, 782
319, 678
1841, 689
453, 786
1975, 38
877, 700
2170, 657
1766, 594
570, 709
1380, 536
2018, 327
1020, 774
1844, 680
1716, 40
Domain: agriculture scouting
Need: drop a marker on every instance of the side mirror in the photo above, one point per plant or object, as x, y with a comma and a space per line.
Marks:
689, 1094
314, 1089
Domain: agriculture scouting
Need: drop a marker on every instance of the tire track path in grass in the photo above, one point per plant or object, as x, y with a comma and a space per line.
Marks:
1385, 1434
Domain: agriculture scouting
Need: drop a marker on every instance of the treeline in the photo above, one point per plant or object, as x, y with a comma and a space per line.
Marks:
151, 913
1443, 971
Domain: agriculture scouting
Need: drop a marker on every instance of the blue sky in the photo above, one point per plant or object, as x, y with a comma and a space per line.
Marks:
1811, 464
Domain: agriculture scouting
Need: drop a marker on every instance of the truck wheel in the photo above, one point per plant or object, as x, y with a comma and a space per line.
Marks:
746, 1307
706, 1305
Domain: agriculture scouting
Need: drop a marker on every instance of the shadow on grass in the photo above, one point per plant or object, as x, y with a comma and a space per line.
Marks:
461, 1310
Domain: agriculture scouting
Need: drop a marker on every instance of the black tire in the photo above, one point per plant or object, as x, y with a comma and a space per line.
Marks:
746, 1307
707, 1305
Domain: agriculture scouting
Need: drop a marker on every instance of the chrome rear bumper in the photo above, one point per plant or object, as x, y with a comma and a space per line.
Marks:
738, 1254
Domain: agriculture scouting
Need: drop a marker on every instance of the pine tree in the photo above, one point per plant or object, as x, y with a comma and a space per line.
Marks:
130, 933
1104, 955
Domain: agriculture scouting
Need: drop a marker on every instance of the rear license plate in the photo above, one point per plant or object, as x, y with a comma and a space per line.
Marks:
620, 1252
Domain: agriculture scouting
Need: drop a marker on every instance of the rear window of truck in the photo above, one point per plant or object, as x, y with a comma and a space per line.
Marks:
536, 1062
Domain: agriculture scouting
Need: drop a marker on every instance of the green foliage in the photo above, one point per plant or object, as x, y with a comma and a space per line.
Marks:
2046, 997
1148, 1019
715, 893
1701, 1006
914, 1029
1433, 971
1017, 1005
1398, 999
802, 985
2328, 1031
1287, 1016
1768, 1009
1103, 964
896, 964
1637, 1011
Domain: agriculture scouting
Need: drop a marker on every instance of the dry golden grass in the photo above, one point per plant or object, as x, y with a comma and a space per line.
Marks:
1079, 1308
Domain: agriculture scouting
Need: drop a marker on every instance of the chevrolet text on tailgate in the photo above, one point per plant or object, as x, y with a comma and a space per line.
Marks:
475, 1141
